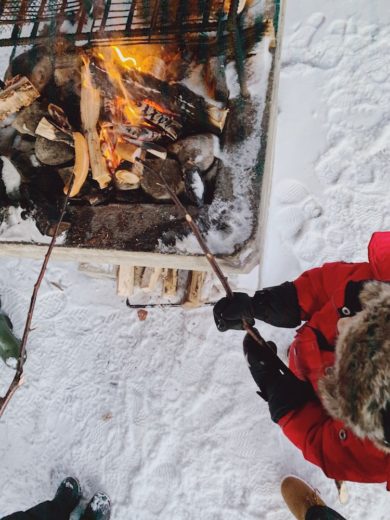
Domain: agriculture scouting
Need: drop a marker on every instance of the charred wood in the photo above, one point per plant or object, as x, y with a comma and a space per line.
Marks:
176, 100
49, 131
27, 120
214, 74
35, 64
195, 150
151, 182
138, 227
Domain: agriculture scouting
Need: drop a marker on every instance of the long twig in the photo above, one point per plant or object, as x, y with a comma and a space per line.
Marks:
217, 270
18, 378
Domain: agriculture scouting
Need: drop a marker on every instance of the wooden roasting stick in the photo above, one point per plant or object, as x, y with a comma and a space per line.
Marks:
90, 110
17, 95
18, 378
217, 270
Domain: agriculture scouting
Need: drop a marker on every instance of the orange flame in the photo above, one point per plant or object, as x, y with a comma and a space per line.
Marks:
129, 61
123, 109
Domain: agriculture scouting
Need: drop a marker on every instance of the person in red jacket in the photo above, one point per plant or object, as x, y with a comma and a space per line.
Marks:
334, 402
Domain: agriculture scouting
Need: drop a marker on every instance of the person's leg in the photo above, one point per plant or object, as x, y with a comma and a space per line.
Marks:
49, 510
20, 515
322, 513
304, 502
67, 497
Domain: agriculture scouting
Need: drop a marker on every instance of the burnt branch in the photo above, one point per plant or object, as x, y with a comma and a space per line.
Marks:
18, 378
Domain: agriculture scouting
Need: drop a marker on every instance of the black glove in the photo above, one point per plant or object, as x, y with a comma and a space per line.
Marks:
281, 389
229, 312
277, 306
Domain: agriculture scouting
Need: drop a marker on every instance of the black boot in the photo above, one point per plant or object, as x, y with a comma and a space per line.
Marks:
68, 494
99, 508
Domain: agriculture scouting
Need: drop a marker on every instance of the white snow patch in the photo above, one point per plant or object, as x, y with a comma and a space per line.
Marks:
11, 176
197, 185
14, 228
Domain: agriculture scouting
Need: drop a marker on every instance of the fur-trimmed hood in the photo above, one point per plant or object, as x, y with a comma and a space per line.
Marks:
357, 392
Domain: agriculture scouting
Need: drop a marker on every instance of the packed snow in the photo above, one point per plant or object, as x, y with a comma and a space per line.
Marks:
162, 414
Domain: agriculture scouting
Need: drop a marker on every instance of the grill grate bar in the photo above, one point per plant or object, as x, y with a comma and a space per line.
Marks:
141, 21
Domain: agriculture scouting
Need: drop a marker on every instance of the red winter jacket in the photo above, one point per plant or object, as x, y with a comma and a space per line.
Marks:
322, 298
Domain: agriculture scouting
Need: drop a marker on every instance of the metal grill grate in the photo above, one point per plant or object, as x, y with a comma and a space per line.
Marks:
24, 22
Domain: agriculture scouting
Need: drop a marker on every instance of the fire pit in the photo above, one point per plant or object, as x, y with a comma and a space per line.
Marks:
115, 92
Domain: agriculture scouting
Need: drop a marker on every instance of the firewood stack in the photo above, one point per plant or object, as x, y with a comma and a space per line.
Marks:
165, 286
110, 124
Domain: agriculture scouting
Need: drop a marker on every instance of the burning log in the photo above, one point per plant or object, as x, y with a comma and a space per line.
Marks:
155, 66
20, 93
127, 151
90, 102
164, 122
138, 133
152, 148
175, 100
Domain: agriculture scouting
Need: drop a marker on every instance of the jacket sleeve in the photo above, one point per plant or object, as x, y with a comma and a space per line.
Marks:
325, 443
286, 305
277, 305
316, 286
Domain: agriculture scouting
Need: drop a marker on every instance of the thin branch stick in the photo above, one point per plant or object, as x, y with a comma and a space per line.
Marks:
217, 270
18, 378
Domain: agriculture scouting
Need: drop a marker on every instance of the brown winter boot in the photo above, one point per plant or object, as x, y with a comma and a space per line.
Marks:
299, 496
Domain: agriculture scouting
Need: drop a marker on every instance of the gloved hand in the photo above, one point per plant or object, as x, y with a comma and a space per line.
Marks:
276, 305
282, 390
229, 312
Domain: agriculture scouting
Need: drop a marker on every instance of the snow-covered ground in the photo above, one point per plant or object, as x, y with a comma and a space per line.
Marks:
162, 414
